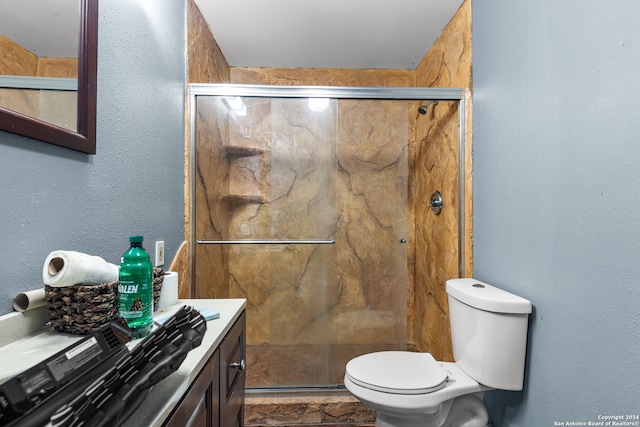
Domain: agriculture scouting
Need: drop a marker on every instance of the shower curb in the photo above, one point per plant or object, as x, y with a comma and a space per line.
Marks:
306, 410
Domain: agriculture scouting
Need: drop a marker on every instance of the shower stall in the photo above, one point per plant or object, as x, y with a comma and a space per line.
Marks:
304, 202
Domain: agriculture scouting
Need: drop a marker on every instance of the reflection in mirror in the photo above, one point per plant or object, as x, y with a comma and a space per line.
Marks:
39, 67
48, 70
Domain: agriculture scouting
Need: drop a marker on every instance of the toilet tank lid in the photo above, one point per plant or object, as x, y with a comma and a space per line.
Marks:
486, 297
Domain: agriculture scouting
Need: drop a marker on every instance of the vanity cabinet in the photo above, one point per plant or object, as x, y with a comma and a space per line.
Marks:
216, 397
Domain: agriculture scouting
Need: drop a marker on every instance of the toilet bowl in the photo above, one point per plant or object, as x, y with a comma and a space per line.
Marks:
402, 398
407, 389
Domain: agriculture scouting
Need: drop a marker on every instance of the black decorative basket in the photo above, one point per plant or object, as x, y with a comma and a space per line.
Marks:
79, 309
158, 279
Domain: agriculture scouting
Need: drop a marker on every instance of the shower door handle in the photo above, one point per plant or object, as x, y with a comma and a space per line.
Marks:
265, 242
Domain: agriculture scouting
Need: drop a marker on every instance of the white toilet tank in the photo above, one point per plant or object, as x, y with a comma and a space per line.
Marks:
488, 332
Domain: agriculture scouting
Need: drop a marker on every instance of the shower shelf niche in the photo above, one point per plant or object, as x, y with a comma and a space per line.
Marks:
245, 163
243, 151
245, 198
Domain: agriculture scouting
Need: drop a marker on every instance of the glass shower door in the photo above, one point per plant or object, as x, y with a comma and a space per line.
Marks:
301, 208
266, 213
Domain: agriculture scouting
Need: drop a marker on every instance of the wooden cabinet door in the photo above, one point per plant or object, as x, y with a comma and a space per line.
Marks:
232, 375
200, 405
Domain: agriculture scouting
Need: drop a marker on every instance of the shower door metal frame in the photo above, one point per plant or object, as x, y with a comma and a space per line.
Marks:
335, 92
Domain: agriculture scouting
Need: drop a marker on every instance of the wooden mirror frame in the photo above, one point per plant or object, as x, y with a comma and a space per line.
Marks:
84, 139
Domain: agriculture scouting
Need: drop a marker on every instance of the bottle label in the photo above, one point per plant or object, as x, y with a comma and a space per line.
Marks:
127, 289
136, 302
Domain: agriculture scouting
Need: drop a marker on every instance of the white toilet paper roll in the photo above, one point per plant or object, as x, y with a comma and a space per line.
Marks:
169, 291
68, 268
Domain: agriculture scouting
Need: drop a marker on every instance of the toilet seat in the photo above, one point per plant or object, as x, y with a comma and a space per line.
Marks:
397, 372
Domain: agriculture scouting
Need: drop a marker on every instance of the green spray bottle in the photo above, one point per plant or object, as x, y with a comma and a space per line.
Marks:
135, 288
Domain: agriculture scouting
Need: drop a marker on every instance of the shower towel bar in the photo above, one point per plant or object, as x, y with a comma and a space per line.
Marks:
265, 242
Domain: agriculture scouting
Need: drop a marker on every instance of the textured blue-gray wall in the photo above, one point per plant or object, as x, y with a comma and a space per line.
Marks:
54, 198
556, 190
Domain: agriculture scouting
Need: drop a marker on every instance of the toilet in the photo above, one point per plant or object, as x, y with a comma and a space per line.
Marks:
489, 338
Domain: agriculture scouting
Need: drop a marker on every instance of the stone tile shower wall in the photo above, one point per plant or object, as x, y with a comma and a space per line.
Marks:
278, 173
448, 64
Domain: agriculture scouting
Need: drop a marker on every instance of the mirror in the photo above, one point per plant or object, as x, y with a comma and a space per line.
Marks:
82, 135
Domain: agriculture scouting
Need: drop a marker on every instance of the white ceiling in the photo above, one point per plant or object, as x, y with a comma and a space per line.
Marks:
394, 34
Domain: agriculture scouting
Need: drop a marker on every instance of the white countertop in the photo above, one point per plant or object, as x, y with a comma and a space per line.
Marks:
22, 350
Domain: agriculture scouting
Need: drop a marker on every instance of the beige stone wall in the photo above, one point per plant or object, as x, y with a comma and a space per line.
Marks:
16, 60
212, 181
58, 67
448, 64
24, 101
322, 77
205, 64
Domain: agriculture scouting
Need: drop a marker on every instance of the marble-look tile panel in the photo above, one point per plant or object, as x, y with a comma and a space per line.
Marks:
372, 259
303, 206
436, 162
206, 63
302, 279
250, 277
16, 60
322, 77
212, 172
304, 169
448, 64
58, 67
23, 101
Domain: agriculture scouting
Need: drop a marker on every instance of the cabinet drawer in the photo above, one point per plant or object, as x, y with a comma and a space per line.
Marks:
232, 375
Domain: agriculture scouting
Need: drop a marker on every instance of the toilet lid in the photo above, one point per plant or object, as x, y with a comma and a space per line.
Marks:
398, 372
